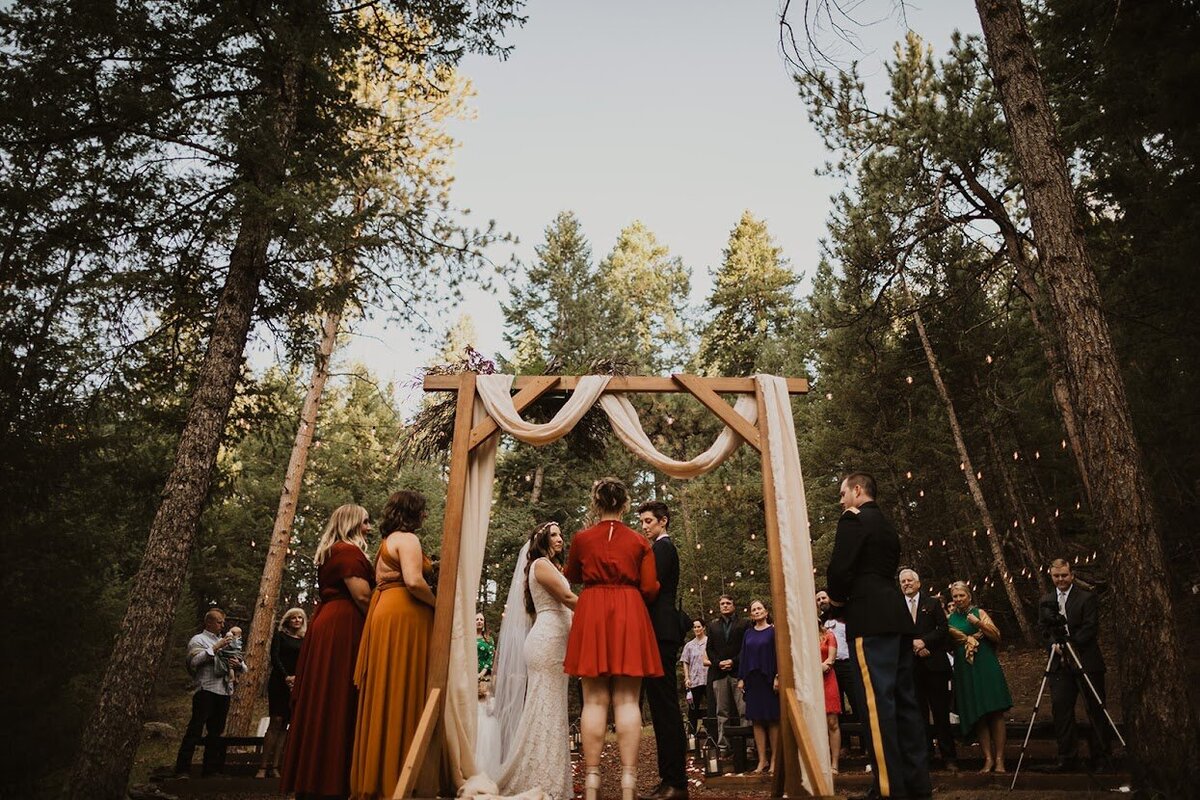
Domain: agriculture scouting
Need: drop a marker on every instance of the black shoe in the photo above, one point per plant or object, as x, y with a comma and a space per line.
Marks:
655, 792
1062, 765
1101, 766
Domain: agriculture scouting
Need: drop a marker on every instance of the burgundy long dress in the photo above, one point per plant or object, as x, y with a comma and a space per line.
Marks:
316, 763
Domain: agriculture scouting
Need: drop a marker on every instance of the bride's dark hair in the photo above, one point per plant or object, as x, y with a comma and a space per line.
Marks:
539, 547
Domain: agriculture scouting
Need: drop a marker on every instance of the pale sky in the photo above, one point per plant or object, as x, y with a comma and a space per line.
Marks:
678, 114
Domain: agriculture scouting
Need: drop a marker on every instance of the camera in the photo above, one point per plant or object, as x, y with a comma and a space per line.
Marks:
1052, 621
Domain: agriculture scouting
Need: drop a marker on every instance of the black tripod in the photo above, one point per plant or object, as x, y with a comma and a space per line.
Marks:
1064, 649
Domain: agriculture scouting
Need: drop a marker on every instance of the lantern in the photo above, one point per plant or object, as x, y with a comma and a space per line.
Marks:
712, 765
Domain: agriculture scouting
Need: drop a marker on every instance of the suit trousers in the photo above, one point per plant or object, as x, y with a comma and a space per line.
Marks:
844, 670
726, 702
933, 701
1065, 686
208, 713
662, 695
897, 732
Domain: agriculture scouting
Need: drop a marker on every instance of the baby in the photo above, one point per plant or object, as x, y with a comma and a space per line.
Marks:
230, 651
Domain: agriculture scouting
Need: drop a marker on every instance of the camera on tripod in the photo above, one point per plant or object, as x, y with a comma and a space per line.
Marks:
1053, 621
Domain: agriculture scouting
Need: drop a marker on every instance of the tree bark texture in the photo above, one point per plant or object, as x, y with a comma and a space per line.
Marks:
999, 562
1163, 734
111, 737
266, 609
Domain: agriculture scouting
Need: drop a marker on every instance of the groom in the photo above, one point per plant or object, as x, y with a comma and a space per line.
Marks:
662, 694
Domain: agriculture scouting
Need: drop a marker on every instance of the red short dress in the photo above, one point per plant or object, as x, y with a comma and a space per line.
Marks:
611, 633
833, 696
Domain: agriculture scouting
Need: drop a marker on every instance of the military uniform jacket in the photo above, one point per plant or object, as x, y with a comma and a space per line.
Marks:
862, 574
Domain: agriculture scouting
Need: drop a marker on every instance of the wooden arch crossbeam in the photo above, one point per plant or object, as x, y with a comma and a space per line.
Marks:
797, 750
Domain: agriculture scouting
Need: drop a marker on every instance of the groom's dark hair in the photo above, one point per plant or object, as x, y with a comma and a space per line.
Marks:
658, 508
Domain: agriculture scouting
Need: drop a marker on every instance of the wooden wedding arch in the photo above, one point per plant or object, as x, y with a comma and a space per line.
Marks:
798, 750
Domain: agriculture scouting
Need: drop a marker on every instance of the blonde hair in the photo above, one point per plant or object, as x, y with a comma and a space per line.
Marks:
609, 496
345, 525
295, 612
963, 585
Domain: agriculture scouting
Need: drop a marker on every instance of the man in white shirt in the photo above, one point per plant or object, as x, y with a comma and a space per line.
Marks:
843, 668
210, 703
931, 667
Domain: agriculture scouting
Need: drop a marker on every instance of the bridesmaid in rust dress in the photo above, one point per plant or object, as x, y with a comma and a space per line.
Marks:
392, 666
317, 760
611, 645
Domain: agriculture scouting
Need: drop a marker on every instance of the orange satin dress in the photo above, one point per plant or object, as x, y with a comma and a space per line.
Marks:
392, 676
611, 633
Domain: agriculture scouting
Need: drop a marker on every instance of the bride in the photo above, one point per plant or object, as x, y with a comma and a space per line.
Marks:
530, 684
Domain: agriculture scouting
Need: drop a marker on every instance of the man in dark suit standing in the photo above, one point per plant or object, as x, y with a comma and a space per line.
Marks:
862, 581
1082, 611
931, 667
725, 634
662, 694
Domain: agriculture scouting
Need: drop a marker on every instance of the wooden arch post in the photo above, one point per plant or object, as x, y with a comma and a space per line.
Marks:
422, 763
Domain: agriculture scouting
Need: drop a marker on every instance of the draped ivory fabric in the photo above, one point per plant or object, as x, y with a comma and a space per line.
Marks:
494, 398
795, 546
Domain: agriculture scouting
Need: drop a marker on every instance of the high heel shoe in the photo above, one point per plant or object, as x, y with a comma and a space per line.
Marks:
591, 783
628, 783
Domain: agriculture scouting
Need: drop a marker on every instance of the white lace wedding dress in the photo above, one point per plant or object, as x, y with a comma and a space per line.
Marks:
540, 756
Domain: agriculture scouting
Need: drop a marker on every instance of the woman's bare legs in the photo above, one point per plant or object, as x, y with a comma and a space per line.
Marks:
593, 718
983, 731
835, 740
760, 744
774, 729
627, 713
999, 738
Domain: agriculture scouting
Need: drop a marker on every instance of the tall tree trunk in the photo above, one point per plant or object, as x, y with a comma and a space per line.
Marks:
1020, 512
1025, 269
111, 737
539, 477
1164, 735
999, 562
262, 626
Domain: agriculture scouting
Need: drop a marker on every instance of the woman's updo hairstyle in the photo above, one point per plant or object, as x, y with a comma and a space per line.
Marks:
609, 496
405, 510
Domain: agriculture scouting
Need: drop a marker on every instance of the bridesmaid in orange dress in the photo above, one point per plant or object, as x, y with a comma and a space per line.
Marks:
611, 645
392, 671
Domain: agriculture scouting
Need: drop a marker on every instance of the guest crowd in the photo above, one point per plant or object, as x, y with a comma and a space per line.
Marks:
347, 687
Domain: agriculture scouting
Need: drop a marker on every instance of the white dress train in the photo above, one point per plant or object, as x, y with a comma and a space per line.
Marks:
540, 756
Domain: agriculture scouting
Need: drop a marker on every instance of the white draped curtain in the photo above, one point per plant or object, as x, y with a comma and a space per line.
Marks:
494, 398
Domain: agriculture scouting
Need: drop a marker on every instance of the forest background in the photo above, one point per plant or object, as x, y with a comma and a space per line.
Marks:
127, 199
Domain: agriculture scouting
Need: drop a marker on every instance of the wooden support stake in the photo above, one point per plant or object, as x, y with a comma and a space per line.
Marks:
415, 757
808, 755
713, 402
443, 612
532, 390
788, 778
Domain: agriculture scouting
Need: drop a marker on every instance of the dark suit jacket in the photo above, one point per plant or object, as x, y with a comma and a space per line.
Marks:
1083, 628
862, 574
663, 614
931, 627
721, 647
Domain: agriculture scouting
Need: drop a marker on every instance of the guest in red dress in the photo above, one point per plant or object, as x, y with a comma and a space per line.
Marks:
611, 645
324, 700
833, 694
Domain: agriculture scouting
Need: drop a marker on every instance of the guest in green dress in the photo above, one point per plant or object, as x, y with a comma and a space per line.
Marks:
485, 648
980, 691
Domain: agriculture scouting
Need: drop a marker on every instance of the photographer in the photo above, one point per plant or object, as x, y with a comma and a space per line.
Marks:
1071, 614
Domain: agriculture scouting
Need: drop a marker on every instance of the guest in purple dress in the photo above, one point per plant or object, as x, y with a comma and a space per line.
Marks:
758, 677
